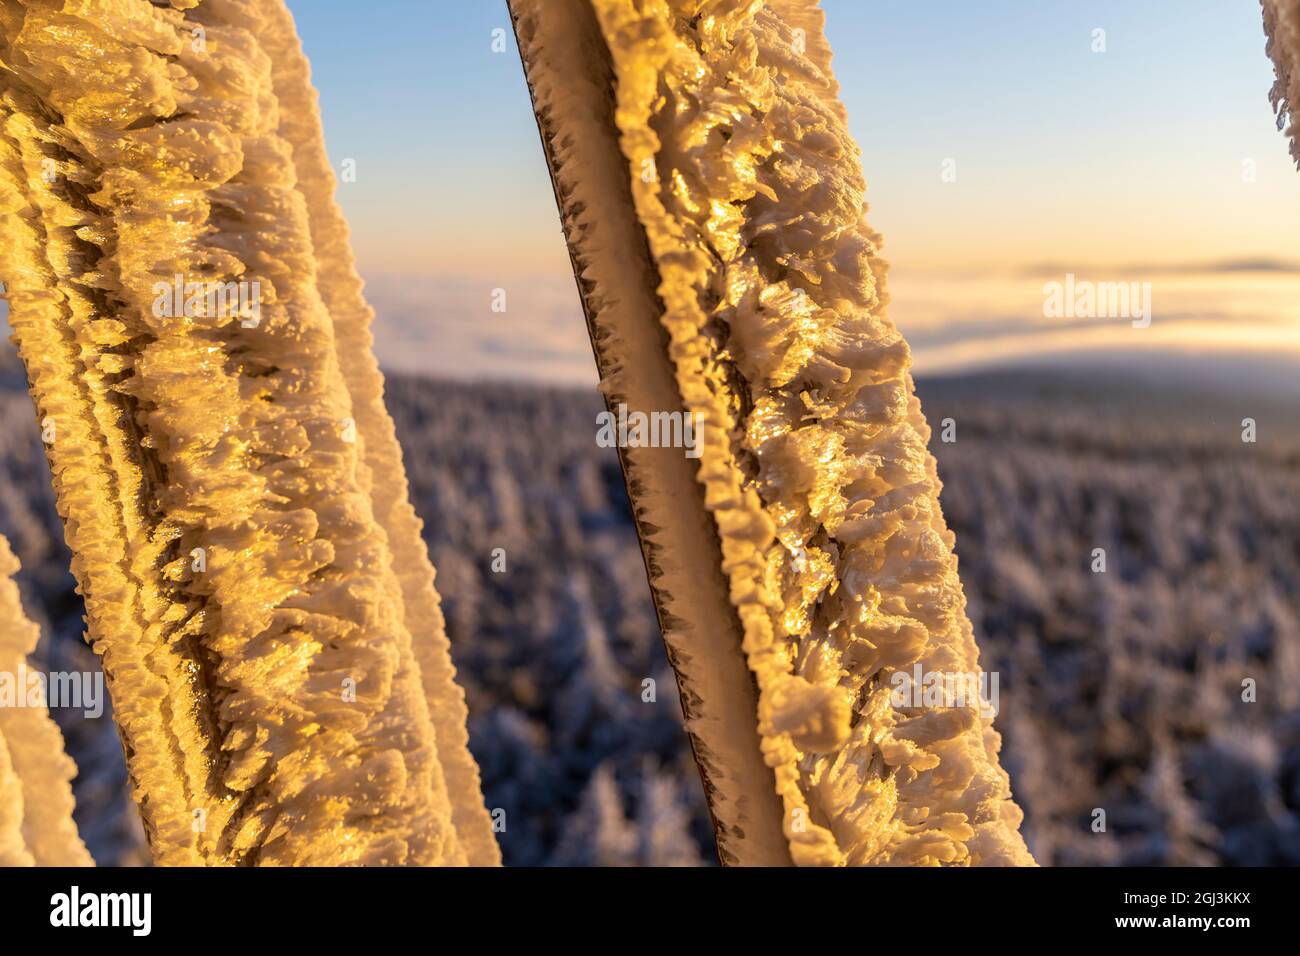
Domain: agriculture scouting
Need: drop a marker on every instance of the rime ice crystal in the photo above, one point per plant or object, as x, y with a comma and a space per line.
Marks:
234, 547
748, 194
36, 825
1282, 26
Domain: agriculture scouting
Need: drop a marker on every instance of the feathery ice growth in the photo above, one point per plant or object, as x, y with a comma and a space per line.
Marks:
713, 204
36, 826
1282, 27
183, 296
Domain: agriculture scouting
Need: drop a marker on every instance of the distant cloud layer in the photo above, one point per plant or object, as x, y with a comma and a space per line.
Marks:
1234, 317
446, 326
1232, 313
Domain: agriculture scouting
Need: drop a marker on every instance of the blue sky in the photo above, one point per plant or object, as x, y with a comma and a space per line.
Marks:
1097, 163
1061, 153
1133, 154
450, 172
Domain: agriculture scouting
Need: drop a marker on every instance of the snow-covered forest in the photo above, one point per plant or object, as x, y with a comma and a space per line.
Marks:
1120, 690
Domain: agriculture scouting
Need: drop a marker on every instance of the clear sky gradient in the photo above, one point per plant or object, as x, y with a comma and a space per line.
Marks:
1112, 162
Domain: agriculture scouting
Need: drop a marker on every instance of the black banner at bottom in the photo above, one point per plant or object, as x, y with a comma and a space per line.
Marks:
247, 907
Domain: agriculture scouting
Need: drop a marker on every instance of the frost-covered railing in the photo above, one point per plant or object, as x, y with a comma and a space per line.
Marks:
713, 203
183, 297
